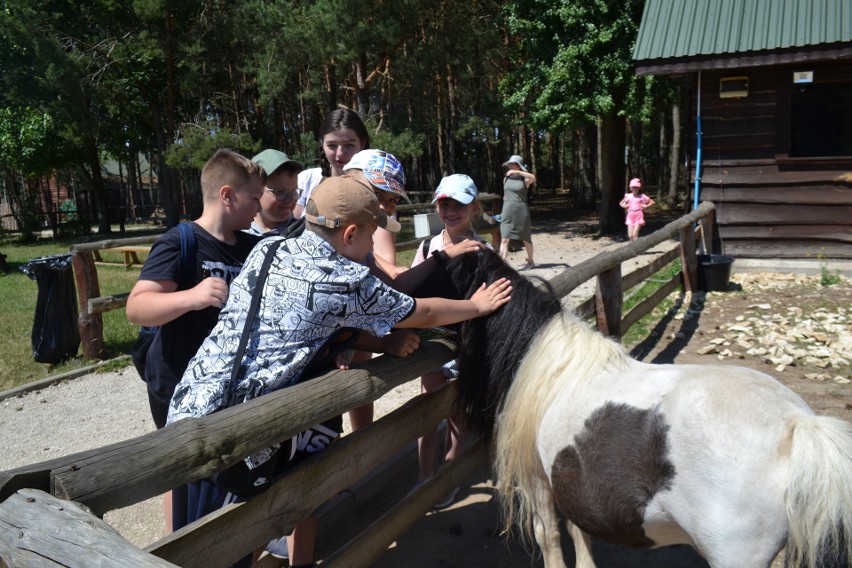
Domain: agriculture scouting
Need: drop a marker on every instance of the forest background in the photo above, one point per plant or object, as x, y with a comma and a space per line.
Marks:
448, 86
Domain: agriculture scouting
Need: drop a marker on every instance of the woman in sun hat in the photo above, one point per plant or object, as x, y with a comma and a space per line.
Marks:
515, 215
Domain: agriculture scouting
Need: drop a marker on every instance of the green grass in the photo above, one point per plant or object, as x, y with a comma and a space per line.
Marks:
19, 293
635, 295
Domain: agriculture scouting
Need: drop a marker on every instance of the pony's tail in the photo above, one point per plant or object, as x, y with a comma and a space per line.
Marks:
819, 494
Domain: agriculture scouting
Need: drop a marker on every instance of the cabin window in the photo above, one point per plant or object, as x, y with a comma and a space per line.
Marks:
821, 121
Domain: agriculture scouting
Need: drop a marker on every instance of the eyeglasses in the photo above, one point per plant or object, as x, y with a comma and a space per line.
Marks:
285, 194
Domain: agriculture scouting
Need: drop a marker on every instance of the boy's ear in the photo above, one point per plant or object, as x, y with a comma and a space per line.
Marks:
225, 193
349, 234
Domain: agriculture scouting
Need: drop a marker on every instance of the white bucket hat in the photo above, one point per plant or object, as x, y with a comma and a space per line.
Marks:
515, 159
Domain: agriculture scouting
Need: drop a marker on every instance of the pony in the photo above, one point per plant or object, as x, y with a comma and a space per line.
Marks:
723, 458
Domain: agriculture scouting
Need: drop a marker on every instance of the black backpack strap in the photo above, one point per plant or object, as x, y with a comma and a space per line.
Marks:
188, 253
252, 311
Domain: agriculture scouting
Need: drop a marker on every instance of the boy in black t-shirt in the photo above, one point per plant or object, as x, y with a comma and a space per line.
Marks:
231, 187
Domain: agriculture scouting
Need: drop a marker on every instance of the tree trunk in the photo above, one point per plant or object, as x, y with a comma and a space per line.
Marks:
165, 175
588, 170
452, 122
611, 160
662, 156
674, 163
93, 172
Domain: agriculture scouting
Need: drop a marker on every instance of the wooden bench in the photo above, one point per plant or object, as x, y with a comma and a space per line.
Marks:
130, 253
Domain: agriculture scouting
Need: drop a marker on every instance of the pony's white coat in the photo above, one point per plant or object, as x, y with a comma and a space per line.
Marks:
755, 469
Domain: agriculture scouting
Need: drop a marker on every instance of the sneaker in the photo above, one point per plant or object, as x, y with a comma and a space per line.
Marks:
278, 548
446, 501
497, 218
527, 266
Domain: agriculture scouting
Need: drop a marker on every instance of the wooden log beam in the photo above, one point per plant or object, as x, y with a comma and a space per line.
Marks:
565, 282
113, 243
648, 304
133, 470
37, 529
227, 535
103, 304
368, 546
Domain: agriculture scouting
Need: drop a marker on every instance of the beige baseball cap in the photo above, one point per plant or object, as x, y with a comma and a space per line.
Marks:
342, 201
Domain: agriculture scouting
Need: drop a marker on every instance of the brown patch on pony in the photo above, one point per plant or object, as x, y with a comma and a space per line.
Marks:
617, 464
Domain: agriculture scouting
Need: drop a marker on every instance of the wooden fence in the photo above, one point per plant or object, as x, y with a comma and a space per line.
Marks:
49, 511
85, 257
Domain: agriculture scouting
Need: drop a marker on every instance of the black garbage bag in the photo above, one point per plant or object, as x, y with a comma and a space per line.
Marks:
55, 335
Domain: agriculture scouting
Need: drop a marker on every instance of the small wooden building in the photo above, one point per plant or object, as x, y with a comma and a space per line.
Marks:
770, 87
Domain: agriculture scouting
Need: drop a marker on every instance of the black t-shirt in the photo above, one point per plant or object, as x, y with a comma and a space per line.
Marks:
182, 337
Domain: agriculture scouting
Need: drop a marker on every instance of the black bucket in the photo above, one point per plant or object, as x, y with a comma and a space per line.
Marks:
714, 272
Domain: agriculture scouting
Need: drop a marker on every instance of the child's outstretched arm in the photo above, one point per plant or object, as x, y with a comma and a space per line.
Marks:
408, 280
430, 312
157, 302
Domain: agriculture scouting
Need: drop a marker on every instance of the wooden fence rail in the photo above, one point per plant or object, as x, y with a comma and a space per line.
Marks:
92, 304
133, 470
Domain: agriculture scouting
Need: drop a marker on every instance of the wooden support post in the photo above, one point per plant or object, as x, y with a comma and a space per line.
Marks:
708, 228
688, 260
91, 325
608, 302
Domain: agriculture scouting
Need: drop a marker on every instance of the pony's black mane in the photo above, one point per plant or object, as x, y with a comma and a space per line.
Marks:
491, 348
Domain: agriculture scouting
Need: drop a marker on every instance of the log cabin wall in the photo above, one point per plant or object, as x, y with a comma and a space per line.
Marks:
764, 162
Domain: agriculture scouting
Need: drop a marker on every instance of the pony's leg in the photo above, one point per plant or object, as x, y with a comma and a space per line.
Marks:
582, 546
546, 526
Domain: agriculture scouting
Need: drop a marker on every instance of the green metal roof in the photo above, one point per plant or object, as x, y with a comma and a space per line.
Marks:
685, 28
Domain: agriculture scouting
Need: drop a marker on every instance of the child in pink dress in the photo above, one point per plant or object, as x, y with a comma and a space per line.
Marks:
635, 203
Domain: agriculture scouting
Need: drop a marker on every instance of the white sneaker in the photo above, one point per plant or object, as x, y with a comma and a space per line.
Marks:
278, 548
527, 266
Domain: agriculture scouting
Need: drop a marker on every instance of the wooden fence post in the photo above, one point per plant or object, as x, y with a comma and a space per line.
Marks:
91, 325
688, 261
608, 302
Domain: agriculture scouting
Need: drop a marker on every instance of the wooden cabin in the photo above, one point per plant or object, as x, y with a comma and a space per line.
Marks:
771, 83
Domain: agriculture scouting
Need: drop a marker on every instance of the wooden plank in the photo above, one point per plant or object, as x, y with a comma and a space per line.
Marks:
127, 472
113, 243
37, 529
745, 213
773, 192
647, 305
791, 232
809, 250
644, 272
224, 536
106, 303
368, 546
